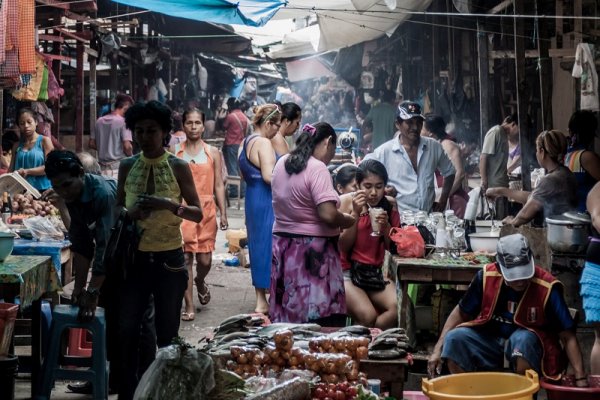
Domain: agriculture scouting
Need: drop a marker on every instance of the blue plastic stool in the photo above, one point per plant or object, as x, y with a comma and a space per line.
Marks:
63, 317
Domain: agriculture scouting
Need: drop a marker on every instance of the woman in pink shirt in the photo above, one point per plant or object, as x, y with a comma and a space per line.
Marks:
307, 283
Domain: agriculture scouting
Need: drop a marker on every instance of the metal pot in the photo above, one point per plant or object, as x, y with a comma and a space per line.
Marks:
567, 235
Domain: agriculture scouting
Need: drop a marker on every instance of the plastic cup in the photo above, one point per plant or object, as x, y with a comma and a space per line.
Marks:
374, 212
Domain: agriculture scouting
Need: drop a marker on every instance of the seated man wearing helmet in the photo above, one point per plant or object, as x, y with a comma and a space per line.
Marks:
514, 309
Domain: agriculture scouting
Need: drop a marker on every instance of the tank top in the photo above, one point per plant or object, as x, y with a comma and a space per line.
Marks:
585, 181
161, 231
33, 158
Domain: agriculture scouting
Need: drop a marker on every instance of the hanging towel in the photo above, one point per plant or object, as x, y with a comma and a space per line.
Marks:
43, 96
585, 69
27, 61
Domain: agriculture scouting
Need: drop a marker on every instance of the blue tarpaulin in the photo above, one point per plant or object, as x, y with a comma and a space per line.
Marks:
238, 12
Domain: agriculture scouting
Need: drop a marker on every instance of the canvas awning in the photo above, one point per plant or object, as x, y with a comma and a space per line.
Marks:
242, 12
341, 23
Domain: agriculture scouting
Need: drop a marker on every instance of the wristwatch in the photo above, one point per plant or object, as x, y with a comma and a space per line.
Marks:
179, 210
93, 291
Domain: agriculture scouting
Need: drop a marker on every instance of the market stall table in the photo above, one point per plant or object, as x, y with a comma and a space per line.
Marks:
29, 278
426, 270
59, 250
390, 372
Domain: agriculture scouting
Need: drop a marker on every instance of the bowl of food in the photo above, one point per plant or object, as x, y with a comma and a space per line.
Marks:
7, 242
484, 241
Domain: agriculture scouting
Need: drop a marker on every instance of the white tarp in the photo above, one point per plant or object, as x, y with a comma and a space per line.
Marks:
341, 23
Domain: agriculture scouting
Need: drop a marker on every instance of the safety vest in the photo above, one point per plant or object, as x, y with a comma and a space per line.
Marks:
529, 314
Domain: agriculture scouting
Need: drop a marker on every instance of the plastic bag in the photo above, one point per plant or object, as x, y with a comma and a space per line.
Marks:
409, 241
179, 372
44, 228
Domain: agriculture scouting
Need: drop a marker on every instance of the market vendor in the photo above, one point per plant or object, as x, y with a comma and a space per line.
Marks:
556, 192
512, 309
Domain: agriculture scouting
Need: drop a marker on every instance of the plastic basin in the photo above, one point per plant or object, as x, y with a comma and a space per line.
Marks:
559, 392
482, 385
485, 241
7, 242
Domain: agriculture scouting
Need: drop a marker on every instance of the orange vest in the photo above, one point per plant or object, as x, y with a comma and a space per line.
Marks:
529, 315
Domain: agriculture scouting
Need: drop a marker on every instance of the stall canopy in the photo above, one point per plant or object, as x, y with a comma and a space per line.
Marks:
241, 12
341, 23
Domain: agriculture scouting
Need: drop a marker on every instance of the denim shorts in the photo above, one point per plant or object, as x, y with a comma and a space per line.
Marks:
474, 349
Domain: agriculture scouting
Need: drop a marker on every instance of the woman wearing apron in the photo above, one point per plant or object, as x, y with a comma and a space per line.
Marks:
199, 238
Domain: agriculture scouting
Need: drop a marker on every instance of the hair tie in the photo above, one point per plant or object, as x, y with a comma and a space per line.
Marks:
308, 128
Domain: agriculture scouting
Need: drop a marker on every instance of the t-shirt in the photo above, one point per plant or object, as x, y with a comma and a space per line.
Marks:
557, 191
235, 125
495, 145
296, 197
383, 117
109, 135
501, 324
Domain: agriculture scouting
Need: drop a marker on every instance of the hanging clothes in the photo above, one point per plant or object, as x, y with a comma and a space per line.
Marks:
3, 12
585, 69
10, 68
26, 34
31, 91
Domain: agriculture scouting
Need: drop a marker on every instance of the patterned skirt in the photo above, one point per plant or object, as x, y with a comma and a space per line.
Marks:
306, 279
590, 291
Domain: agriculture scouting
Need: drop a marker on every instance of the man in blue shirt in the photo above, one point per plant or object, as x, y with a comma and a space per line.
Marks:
411, 161
512, 309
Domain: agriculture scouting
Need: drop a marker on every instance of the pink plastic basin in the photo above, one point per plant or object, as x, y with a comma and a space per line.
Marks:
558, 392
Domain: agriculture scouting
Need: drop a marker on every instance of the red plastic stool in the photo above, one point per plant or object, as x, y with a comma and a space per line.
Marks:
79, 345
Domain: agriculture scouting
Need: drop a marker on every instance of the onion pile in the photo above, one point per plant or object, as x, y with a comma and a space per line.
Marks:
26, 205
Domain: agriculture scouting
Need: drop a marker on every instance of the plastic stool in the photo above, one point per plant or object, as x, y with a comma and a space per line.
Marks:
63, 317
79, 346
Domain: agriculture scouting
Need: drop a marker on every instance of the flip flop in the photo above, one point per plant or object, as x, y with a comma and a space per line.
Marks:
185, 316
204, 299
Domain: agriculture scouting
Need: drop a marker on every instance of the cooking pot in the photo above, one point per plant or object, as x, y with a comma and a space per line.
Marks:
567, 235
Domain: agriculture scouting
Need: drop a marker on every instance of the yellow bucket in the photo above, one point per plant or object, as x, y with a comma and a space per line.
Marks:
482, 385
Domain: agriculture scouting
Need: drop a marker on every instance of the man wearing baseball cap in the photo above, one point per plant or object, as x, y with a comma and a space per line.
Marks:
411, 161
512, 309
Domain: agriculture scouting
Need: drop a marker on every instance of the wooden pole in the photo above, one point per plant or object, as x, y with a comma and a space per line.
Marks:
79, 85
484, 81
93, 91
521, 94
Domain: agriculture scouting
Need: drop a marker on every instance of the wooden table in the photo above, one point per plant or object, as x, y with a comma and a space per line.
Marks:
421, 270
391, 373
59, 250
30, 277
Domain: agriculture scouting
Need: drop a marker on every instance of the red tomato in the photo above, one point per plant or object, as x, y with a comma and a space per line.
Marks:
343, 386
352, 391
331, 393
320, 393
332, 386
328, 398
339, 395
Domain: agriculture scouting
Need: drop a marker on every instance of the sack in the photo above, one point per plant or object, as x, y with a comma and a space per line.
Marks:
367, 277
409, 241
121, 245
44, 228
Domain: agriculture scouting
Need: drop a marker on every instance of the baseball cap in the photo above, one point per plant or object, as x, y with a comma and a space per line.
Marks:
515, 258
409, 109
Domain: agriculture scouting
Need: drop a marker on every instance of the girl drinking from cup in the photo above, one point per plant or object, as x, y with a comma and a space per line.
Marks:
371, 301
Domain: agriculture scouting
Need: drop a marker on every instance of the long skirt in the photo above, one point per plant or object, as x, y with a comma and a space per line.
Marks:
307, 283
590, 291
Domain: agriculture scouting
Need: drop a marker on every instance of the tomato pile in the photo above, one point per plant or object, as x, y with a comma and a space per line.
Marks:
334, 391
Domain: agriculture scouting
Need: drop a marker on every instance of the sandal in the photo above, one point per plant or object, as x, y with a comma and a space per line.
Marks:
186, 316
204, 299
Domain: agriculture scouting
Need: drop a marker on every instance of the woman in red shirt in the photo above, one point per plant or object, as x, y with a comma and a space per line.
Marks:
371, 300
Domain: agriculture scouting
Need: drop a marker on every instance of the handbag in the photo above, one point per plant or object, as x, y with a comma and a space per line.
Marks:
122, 244
367, 277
